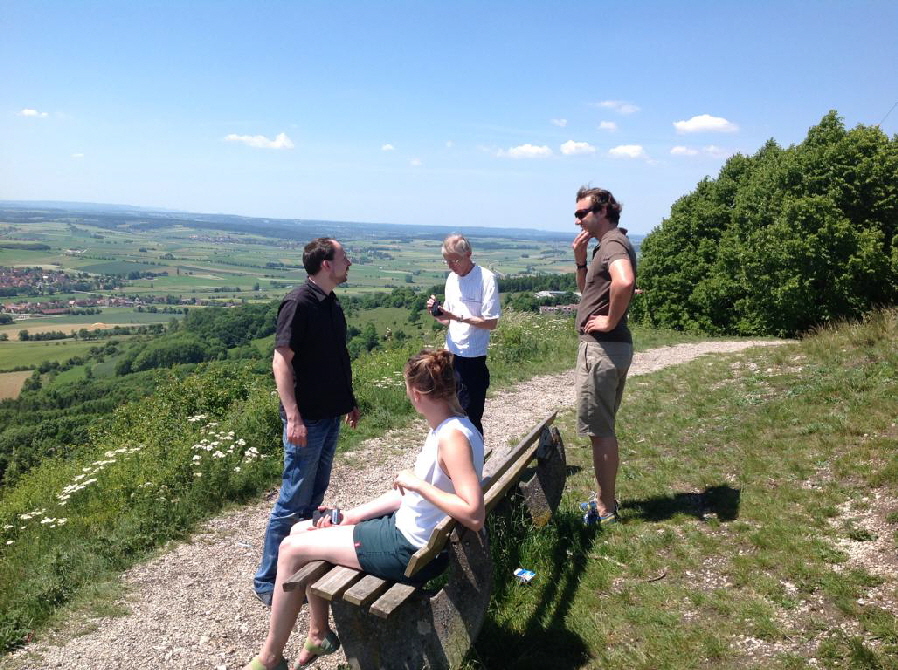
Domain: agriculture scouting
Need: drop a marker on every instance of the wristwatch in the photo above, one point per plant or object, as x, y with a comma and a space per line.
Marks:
581, 267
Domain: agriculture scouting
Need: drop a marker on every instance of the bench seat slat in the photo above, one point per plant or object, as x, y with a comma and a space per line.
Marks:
309, 572
337, 580
365, 591
393, 598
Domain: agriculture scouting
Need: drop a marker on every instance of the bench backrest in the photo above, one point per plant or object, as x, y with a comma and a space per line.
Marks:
500, 473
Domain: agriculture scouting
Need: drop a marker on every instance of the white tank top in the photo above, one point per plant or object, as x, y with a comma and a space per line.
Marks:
417, 517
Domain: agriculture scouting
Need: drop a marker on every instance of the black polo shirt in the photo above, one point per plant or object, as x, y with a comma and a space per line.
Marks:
312, 324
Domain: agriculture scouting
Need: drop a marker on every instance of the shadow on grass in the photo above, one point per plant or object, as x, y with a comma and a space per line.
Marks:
573, 470
541, 637
720, 501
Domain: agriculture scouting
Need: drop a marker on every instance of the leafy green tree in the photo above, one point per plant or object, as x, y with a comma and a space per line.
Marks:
782, 241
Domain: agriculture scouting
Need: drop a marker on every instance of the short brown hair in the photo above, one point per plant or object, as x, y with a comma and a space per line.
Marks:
430, 372
316, 252
599, 197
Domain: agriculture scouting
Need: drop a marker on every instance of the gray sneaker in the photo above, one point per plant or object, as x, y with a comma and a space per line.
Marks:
611, 517
264, 597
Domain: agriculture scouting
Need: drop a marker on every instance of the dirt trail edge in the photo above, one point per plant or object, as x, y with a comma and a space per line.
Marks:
192, 606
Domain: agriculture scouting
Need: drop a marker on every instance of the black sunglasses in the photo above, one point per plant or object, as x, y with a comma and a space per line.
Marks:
582, 213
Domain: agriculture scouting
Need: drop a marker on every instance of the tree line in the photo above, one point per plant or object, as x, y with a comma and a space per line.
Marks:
782, 241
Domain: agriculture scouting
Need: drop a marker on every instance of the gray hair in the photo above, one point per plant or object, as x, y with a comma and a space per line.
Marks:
456, 243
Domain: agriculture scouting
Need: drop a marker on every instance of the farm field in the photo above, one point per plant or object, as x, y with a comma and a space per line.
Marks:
16, 354
109, 318
188, 261
11, 383
200, 260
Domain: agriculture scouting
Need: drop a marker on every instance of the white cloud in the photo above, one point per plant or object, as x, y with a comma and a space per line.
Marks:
526, 151
33, 113
618, 106
628, 151
705, 123
449, 144
262, 142
710, 150
387, 147
683, 151
77, 155
571, 148
610, 126
716, 151
415, 162
561, 123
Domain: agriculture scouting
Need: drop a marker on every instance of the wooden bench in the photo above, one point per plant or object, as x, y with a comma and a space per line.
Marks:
384, 625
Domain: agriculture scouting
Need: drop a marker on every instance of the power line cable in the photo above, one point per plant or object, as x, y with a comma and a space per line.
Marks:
887, 114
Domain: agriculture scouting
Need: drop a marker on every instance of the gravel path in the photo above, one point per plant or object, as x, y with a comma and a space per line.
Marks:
192, 606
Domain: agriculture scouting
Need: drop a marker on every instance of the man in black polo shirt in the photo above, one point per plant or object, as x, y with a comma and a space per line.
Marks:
314, 381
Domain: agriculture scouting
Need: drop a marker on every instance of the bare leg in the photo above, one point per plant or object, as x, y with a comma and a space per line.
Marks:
319, 610
332, 544
605, 460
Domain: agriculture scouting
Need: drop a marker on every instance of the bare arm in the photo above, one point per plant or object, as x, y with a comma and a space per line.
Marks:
283, 378
580, 246
476, 321
443, 319
466, 504
622, 282
383, 504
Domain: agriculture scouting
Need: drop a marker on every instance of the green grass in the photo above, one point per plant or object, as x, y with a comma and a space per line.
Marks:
149, 480
143, 459
741, 476
13, 354
745, 480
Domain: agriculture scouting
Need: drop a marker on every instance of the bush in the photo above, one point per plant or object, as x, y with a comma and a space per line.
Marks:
782, 241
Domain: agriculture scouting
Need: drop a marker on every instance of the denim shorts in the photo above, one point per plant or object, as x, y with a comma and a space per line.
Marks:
383, 551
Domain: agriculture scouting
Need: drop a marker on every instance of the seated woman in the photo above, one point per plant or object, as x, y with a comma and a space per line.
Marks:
381, 536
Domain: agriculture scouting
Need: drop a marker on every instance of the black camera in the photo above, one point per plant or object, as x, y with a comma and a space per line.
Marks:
436, 310
332, 512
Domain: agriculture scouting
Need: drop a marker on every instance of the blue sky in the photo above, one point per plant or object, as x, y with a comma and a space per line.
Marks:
444, 113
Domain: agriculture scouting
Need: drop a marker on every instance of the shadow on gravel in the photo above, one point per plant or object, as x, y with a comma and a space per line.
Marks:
720, 501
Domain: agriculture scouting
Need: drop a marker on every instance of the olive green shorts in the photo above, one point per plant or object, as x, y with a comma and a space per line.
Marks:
600, 377
384, 552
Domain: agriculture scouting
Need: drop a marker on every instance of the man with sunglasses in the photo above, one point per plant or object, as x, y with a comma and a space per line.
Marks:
314, 381
471, 311
606, 284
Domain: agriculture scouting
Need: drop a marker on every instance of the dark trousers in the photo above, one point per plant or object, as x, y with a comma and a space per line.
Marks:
472, 379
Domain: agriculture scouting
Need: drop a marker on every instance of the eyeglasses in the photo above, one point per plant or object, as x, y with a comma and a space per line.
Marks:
583, 213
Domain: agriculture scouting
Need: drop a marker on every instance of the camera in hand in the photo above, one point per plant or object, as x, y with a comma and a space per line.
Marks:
332, 512
436, 310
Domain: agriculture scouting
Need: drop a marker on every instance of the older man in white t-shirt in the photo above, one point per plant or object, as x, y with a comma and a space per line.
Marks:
470, 310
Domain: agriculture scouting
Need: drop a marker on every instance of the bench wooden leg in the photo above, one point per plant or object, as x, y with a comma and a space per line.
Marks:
433, 632
542, 492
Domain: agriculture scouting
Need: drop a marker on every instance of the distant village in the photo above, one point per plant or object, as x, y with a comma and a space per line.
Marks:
33, 282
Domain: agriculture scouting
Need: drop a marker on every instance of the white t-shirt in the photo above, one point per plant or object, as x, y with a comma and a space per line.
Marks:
417, 517
475, 294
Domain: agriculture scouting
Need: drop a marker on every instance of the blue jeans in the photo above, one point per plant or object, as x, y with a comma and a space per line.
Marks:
307, 472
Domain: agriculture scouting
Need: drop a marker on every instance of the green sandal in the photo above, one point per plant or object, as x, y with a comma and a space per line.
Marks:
328, 645
256, 664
